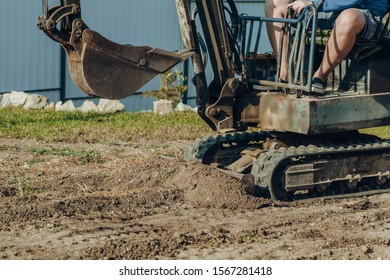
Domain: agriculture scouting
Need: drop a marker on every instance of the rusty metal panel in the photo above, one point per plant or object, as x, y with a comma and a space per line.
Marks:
284, 113
323, 115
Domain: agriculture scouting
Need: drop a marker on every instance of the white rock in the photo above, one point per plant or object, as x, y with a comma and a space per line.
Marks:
18, 98
181, 107
88, 106
68, 106
110, 106
5, 100
36, 101
58, 105
163, 106
50, 106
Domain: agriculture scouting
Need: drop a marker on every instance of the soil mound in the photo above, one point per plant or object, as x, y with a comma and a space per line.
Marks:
206, 187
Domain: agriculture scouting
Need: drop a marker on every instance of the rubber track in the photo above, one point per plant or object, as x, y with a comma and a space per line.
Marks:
264, 167
201, 149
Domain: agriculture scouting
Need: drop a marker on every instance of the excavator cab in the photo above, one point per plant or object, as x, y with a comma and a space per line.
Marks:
98, 66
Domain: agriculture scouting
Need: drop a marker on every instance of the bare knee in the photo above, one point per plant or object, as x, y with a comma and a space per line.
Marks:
276, 8
350, 22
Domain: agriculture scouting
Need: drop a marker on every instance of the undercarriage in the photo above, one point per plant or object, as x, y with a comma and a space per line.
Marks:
289, 167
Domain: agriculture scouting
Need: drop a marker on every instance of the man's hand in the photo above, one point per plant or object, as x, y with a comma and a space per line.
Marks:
300, 5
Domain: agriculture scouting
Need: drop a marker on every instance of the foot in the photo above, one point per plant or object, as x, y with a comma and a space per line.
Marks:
318, 87
317, 83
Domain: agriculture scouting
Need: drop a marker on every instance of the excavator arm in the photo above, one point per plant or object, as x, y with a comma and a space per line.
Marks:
105, 69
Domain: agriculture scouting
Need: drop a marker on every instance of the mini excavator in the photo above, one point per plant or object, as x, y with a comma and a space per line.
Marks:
309, 145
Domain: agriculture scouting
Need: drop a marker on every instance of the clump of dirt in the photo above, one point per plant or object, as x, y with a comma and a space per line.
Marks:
206, 187
163, 245
362, 205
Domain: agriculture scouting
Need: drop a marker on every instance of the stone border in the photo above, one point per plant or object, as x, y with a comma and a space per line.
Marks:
37, 102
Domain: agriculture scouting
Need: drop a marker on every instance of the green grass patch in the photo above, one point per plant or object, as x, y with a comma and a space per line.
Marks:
52, 126
382, 132
125, 127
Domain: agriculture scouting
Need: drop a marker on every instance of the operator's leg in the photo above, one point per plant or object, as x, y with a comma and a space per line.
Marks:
276, 9
349, 24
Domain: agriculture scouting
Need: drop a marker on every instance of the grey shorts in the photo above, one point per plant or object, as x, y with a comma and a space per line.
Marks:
328, 20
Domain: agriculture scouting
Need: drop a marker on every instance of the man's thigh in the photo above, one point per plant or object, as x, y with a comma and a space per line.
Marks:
327, 20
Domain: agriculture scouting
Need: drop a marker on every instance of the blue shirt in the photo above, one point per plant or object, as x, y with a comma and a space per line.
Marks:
376, 7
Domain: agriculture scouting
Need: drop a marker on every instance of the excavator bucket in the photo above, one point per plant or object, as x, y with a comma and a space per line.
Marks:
105, 69
98, 66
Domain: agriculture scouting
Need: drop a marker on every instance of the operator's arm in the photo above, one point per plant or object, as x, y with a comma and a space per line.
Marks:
300, 5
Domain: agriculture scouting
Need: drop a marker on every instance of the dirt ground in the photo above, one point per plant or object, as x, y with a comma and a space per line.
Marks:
142, 201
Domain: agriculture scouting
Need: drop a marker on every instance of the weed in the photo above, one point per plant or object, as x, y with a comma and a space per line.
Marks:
84, 155
35, 161
172, 86
24, 185
95, 215
4, 147
252, 239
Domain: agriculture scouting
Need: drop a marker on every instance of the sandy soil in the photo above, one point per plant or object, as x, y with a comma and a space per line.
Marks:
130, 201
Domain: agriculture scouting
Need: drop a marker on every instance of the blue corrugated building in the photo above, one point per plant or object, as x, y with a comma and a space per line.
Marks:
30, 62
